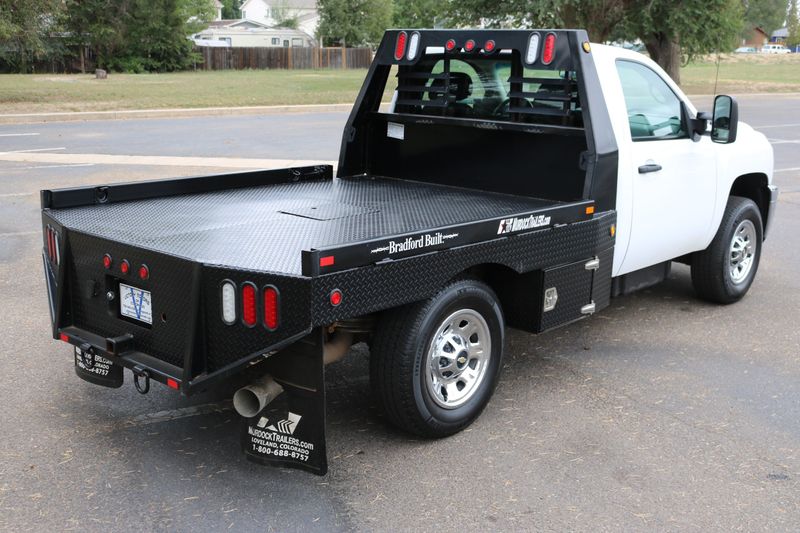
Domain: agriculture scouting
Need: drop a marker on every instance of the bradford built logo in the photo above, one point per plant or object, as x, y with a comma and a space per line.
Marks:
415, 243
510, 225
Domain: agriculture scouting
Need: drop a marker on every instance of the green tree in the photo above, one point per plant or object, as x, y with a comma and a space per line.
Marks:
677, 32
768, 15
138, 35
26, 32
353, 22
417, 13
793, 25
672, 30
231, 9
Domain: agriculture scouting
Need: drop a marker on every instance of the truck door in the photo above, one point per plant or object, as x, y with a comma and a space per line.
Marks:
674, 177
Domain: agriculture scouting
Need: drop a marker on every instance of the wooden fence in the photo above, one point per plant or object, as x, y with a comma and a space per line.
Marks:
282, 58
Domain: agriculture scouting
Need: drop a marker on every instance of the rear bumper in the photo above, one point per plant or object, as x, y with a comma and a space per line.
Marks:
773, 204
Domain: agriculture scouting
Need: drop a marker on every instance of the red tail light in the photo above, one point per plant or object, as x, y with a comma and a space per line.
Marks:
400, 45
144, 272
271, 307
549, 50
50, 247
125, 266
489, 46
107, 261
450, 45
249, 308
469, 46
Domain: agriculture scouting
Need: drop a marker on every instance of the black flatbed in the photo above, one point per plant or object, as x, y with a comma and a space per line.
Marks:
266, 228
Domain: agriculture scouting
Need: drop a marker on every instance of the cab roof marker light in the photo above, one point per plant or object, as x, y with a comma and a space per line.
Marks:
549, 51
228, 302
400, 45
533, 49
413, 46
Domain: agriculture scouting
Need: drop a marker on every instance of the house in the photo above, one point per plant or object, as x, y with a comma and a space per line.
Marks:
780, 36
755, 38
273, 12
249, 33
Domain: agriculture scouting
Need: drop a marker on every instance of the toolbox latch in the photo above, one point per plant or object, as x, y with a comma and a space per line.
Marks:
592, 264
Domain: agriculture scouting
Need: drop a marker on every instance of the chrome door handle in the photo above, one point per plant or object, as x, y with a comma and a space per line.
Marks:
650, 167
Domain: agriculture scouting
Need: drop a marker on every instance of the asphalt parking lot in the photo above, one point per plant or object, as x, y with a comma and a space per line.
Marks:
660, 413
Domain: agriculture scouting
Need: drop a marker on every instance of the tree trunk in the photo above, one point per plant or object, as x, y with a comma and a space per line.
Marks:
667, 53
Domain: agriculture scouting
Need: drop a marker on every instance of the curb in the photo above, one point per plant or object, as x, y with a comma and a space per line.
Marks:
26, 118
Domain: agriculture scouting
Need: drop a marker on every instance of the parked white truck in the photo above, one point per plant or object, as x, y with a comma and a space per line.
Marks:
519, 178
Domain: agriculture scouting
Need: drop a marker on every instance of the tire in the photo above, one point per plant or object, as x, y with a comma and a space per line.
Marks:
409, 339
720, 273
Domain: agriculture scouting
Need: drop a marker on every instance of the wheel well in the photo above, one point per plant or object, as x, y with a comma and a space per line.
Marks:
753, 186
506, 283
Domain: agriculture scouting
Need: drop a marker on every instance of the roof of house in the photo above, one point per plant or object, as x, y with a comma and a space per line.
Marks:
233, 23
285, 4
761, 31
783, 32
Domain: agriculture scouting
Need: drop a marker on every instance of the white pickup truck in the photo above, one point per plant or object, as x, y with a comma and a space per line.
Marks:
519, 177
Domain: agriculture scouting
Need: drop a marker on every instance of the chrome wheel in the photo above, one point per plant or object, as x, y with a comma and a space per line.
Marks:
742, 251
458, 358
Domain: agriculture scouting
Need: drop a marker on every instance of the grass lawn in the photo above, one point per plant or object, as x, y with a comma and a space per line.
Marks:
48, 92
743, 73
43, 93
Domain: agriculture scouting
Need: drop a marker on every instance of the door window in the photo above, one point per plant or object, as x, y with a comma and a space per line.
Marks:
654, 111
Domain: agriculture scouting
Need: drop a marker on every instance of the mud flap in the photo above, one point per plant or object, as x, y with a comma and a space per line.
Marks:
98, 370
290, 431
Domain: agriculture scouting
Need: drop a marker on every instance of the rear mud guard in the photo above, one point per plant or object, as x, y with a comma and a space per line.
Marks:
290, 431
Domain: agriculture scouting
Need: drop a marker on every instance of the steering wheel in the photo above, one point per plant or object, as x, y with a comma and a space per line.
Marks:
504, 106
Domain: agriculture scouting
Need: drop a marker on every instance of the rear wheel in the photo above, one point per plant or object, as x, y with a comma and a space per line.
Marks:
724, 271
435, 364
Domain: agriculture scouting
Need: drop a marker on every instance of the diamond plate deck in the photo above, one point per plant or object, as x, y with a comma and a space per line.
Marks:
262, 228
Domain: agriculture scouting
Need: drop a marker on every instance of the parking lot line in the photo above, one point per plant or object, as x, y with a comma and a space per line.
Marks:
18, 134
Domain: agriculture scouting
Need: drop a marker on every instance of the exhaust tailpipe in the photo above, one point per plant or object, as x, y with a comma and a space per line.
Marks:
252, 399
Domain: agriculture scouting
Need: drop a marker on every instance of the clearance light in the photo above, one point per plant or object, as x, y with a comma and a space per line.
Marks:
326, 261
249, 306
144, 272
125, 266
64, 337
549, 51
450, 45
172, 384
107, 261
413, 46
590, 210
469, 46
533, 49
336, 297
400, 45
228, 293
271, 307
489, 46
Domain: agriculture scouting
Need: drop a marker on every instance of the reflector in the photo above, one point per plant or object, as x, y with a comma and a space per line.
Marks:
249, 309
336, 297
271, 307
400, 46
228, 297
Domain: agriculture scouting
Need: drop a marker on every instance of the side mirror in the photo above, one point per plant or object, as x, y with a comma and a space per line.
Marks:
726, 120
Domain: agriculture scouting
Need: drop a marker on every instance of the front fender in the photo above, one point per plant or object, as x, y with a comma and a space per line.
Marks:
751, 153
